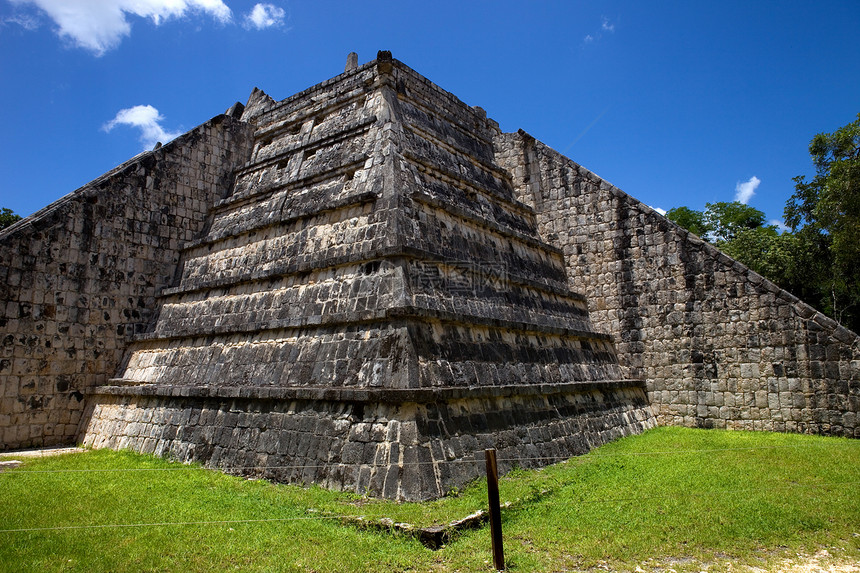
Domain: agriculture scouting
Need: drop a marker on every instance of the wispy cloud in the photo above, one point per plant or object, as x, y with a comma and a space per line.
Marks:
147, 119
659, 210
264, 16
780, 226
27, 21
584, 131
745, 190
100, 25
606, 27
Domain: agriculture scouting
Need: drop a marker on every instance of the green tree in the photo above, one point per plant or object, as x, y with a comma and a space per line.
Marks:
767, 252
739, 231
726, 220
7, 217
719, 222
825, 213
690, 219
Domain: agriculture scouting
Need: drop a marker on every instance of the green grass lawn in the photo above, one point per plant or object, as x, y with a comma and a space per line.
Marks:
692, 498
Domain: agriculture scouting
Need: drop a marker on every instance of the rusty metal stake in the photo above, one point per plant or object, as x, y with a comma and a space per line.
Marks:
495, 510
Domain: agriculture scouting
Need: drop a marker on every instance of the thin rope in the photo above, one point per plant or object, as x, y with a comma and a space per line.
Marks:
352, 517
167, 523
479, 460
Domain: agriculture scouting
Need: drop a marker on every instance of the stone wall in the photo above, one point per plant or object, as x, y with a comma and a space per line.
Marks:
718, 345
400, 444
79, 278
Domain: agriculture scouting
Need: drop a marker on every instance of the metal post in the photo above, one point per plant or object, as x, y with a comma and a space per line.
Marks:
495, 510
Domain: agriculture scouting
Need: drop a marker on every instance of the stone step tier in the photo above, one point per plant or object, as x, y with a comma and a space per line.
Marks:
402, 444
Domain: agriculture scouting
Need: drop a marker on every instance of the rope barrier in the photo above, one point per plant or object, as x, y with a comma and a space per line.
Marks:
673, 495
676, 494
477, 460
167, 523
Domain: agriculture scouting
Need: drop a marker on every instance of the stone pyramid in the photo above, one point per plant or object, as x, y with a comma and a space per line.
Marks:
369, 308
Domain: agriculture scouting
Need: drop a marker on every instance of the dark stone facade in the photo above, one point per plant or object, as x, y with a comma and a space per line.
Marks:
413, 444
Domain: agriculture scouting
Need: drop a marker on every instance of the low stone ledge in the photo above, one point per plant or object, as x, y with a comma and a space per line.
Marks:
407, 312
121, 387
507, 232
9, 464
404, 451
457, 147
369, 255
267, 116
433, 537
404, 313
345, 132
342, 203
554, 287
456, 179
286, 269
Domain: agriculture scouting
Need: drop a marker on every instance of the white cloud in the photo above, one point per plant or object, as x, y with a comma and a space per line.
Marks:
265, 16
744, 191
780, 226
100, 25
659, 210
605, 26
148, 120
29, 22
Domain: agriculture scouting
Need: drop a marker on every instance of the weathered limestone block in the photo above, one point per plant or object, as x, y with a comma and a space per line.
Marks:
365, 284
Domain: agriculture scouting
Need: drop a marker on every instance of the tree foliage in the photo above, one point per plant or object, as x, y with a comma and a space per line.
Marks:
690, 219
819, 260
739, 231
767, 252
719, 222
7, 217
825, 213
726, 221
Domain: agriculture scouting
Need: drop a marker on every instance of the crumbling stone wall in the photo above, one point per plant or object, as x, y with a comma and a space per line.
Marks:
79, 278
718, 345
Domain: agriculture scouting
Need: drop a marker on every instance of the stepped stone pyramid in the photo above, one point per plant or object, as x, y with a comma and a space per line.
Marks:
369, 308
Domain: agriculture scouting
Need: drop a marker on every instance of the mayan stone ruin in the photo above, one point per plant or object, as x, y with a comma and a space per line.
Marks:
367, 283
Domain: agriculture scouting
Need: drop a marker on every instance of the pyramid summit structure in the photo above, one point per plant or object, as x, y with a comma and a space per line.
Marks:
367, 283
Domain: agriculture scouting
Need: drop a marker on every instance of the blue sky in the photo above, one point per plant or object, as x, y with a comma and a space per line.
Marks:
677, 103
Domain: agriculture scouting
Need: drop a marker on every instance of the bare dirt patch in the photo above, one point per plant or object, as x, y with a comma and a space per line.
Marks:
823, 561
42, 452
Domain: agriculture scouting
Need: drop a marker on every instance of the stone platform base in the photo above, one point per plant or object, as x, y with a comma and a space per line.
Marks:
399, 444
